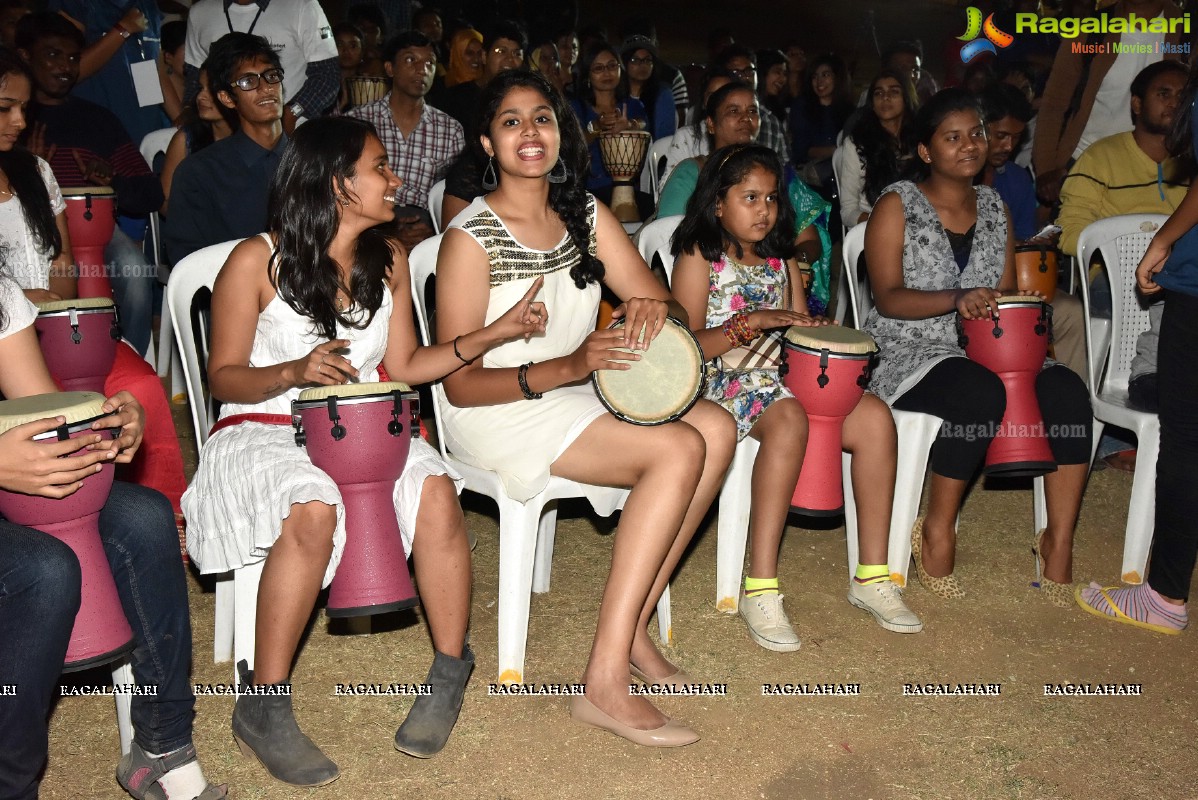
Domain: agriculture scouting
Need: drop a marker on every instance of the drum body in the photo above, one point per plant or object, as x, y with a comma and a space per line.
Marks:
91, 220
623, 156
78, 339
360, 435
662, 386
1036, 269
363, 89
826, 369
1013, 345
101, 631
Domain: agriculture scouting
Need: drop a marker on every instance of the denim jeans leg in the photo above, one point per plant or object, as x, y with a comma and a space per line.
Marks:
142, 545
133, 279
39, 597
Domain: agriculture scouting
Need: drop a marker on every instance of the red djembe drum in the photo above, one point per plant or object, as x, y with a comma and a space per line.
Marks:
78, 339
1013, 344
827, 369
360, 435
101, 632
662, 386
623, 156
1036, 269
91, 220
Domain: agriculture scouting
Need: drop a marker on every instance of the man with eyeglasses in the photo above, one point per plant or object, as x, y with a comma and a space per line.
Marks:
504, 44
742, 62
300, 34
420, 140
220, 193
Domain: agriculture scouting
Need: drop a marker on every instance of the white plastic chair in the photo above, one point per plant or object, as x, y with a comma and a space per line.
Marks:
436, 197
194, 273
654, 237
1122, 241
654, 165
154, 144
526, 530
858, 286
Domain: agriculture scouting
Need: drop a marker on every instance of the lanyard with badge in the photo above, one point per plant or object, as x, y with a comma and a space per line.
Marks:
229, 20
144, 71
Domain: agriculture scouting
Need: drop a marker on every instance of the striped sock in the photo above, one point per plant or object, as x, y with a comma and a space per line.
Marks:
760, 586
1142, 603
872, 573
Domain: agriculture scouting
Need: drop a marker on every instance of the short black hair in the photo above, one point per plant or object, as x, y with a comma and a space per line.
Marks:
914, 48
42, 25
736, 51
401, 41
231, 50
174, 34
1140, 83
1004, 100
504, 29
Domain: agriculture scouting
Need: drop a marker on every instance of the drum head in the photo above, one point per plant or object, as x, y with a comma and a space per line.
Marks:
73, 406
833, 338
1016, 300
81, 191
662, 386
352, 390
79, 304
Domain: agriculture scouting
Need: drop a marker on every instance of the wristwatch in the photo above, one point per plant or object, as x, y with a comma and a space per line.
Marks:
296, 110
122, 31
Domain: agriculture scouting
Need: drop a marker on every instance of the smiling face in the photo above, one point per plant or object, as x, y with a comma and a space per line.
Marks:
887, 99
371, 190
504, 54
737, 119
474, 55
823, 83
958, 148
523, 137
412, 71
262, 104
775, 80
205, 104
54, 62
749, 210
14, 97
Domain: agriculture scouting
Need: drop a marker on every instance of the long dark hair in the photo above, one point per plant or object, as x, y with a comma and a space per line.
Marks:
842, 97
778, 105
725, 168
651, 88
583, 88
568, 199
1181, 138
24, 177
929, 117
303, 212
883, 155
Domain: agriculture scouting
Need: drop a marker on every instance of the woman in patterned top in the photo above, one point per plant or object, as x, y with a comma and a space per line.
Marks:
937, 247
525, 410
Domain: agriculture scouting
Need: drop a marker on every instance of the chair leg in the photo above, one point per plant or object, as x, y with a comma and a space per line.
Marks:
165, 339
916, 433
226, 612
850, 514
517, 551
245, 613
1039, 506
665, 621
123, 675
1141, 511
543, 561
733, 527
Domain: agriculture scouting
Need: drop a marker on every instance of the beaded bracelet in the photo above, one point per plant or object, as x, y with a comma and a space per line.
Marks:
458, 353
522, 379
737, 330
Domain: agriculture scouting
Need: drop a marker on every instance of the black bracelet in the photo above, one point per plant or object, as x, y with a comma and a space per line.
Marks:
522, 379
457, 353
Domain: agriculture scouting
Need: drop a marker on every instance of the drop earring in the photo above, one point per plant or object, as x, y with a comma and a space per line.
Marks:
558, 176
490, 181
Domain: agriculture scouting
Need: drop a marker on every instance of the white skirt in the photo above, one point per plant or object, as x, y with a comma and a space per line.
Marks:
250, 475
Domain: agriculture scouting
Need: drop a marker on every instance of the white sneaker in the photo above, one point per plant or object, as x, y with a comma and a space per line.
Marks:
768, 624
885, 601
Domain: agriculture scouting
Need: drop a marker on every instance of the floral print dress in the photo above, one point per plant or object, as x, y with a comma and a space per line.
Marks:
733, 288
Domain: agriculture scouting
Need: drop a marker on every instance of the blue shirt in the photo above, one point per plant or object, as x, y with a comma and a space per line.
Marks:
1015, 186
1181, 270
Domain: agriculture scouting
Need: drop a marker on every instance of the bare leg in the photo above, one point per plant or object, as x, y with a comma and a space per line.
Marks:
287, 591
940, 525
1063, 491
782, 431
869, 434
441, 556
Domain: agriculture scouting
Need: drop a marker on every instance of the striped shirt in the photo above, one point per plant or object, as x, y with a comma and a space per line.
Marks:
424, 156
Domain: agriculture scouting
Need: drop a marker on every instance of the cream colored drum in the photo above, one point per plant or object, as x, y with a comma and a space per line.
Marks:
363, 89
662, 386
623, 156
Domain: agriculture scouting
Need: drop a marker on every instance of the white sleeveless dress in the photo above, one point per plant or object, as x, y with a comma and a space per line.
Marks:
251, 474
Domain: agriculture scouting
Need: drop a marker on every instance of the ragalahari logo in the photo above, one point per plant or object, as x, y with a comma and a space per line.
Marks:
974, 27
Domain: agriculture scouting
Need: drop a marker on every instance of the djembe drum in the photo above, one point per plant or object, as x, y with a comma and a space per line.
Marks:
78, 339
1013, 344
91, 220
101, 632
827, 369
363, 89
662, 386
360, 435
1036, 269
623, 156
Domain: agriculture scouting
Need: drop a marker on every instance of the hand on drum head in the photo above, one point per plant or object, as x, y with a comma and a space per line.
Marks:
526, 317
978, 303
95, 169
125, 413
321, 367
1032, 293
47, 469
643, 320
598, 352
768, 318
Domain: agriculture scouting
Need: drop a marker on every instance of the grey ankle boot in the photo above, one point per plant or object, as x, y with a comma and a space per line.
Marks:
432, 717
265, 727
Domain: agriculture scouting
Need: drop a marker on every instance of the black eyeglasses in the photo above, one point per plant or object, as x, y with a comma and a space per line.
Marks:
634, 60
251, 80
746, 73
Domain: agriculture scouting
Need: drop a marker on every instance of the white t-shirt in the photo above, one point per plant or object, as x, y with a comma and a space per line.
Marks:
19, 313
20, 257
297, 30
1111, 113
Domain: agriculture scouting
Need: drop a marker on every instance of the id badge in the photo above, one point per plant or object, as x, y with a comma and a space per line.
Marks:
146, 83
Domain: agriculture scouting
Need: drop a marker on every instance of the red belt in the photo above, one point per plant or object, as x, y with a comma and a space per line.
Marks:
237, 419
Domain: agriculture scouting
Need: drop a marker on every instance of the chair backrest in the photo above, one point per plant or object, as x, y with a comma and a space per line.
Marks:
195, 272
155, 143
1121, 241
654, 237
436, 197
657, 163
860, 299
422, 262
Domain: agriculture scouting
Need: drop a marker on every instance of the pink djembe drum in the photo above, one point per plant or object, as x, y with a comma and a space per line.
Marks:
78, 340
91, 220
360, 435
827, 369
623, 155
101, 632
1013, 344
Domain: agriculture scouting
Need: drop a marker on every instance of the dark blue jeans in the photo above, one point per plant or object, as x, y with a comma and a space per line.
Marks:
39, 595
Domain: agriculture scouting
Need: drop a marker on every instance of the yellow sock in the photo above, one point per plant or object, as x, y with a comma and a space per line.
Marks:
872, 573
756, 586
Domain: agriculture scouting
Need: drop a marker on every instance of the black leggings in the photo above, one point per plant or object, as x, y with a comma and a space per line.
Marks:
971, 400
